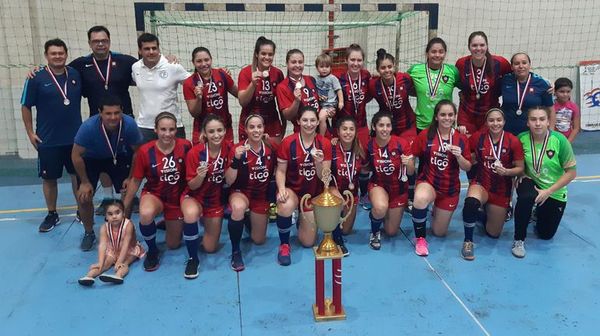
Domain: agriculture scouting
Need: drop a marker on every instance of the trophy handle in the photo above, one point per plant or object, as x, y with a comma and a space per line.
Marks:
349, 198
304, 203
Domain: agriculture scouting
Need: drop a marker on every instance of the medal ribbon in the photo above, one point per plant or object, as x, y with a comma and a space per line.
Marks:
104, 80
443, 146
304, 148
433, 88
117, 242
200, 80
475, 83
521, 97
347, 160
495, 152
113, 151
63, 91
385, 95
359, 84
208, 157
262, 149
537, 160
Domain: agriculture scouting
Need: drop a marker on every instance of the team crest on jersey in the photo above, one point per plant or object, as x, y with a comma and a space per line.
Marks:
73, 81
550, 153
163, 74
220, 84
114, 64
393, 153
504, 150
445, 78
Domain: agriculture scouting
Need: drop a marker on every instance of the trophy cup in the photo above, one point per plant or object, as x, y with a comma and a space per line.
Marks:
327, 208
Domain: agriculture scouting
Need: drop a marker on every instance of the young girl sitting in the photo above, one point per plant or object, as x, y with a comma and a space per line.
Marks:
118, 247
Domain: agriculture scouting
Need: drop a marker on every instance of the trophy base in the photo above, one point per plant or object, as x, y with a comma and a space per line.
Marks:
328, 249
330, 314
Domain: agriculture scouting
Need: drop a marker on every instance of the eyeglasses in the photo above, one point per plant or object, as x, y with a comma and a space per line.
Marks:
96, 42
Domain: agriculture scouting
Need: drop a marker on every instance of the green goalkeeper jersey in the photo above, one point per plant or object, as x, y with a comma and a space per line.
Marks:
424, 86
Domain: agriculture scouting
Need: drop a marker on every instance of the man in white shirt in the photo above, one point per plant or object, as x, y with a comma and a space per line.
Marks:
157, 81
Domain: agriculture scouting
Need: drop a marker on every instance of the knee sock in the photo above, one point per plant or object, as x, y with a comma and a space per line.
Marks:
235, 228
419, 218
375, 223
191, 238
149, 235
284, 225
470, 214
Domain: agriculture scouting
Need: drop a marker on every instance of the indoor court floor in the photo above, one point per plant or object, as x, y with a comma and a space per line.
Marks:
555, 290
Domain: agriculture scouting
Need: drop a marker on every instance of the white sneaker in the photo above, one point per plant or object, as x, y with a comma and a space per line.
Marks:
518, 248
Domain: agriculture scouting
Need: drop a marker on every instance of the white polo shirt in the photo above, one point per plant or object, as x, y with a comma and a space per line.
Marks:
158, 90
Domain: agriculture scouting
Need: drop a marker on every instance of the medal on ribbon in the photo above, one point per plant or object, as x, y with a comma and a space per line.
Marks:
521, 96
359, 89
477, 83
113, 150
102, 78
536, 158
433, 87
63, 90
496, 153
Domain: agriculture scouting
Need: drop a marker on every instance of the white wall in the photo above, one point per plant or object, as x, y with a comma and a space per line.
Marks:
556, 34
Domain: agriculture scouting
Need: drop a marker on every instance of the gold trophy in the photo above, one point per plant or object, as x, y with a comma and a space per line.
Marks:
327, 208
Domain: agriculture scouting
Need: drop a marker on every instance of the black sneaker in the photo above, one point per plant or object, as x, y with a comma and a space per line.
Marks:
87, 242
237, 263
344, 249
375, 240
152, 261
509, 213
49, 222
86, 281
111, 278
191, 269
342, 245
101, 209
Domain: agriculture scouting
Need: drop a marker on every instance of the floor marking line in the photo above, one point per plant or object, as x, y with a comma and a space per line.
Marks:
457, 298
580, 237
239, 302
464, 185
473, 317
5, 212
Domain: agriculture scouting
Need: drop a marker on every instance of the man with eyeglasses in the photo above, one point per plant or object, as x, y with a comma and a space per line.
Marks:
104, 72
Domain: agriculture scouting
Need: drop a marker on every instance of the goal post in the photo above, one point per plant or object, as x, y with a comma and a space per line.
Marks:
229, 31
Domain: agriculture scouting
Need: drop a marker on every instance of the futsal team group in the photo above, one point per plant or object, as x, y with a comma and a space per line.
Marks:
512, 130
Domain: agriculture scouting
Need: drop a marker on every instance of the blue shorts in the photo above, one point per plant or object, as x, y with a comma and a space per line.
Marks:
117, 173
51, 161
